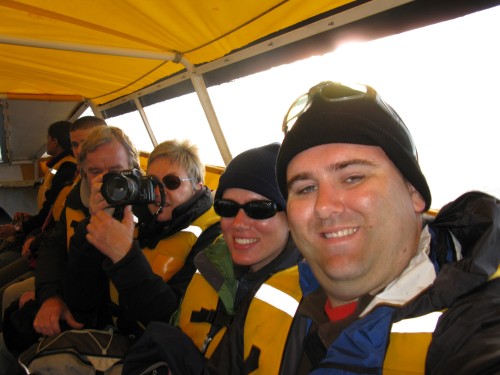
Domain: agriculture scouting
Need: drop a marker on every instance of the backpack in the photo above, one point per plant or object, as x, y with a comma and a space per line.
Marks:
85, 351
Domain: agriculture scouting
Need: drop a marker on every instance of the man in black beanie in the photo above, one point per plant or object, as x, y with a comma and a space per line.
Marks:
379, 270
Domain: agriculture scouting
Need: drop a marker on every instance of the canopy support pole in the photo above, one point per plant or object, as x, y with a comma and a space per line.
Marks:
202, 92
145, 120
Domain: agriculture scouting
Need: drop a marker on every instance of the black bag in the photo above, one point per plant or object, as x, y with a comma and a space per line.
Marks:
18, 331
85, 351
163, 347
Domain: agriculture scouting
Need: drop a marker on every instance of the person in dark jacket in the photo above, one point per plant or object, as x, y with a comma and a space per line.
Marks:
112, 150
22, 288
22, 270
61, 169
247, 274
168, 237
387, 288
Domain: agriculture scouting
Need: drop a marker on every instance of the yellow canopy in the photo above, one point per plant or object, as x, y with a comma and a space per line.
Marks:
102, 50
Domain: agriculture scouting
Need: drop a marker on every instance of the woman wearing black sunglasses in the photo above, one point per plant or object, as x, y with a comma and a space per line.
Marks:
167, 238
240, 303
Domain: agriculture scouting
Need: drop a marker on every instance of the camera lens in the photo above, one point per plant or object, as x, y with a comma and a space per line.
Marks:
118, 189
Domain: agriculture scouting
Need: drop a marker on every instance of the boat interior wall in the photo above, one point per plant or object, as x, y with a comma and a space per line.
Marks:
26, 123
18, 199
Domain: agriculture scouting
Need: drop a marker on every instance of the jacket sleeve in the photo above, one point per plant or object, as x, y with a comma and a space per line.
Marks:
144, 296
52, 258
467, 337
86, 285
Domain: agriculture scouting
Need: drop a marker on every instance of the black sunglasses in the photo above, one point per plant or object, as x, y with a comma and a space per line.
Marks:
328, 91
172, 181
259, 210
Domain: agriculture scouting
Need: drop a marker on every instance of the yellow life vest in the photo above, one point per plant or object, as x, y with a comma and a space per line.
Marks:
60, 201
49, 176
267, 323
409, 342
199, 295
170, 254
72, 217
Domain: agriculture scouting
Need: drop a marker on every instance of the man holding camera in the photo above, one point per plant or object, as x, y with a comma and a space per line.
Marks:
179, 222
72, 288
108, 149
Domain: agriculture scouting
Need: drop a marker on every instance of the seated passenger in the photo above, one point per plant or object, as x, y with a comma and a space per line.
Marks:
22, 288
386, 290
17, 270
169, 237
71, 286
61, 171
239, 305
109, 149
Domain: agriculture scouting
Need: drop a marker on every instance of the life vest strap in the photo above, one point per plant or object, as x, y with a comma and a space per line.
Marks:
218, 318
252, 362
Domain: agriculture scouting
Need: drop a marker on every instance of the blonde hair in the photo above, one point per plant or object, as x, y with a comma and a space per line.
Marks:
183, 153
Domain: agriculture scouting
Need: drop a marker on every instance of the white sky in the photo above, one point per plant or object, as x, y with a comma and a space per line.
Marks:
443, 80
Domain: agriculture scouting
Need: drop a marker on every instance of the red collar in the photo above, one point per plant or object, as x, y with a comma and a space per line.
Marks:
339, 312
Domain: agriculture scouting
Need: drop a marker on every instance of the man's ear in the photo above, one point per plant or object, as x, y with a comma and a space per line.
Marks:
416, 198
84, 191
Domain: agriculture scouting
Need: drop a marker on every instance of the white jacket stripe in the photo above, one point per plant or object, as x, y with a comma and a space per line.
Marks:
424, 323
277, 299
193, 229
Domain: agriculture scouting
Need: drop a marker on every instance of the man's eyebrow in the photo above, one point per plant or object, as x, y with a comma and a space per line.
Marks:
347, 163
298, 177
332, 167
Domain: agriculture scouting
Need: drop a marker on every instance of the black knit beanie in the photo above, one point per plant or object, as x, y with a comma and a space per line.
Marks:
365, 121
254, 170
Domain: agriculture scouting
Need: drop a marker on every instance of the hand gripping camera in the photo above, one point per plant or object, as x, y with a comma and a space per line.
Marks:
130, 187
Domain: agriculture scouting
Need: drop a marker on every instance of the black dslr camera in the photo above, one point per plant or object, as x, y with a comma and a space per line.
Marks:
128, 187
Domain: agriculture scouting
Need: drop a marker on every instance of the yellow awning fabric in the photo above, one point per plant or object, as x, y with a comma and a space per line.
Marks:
200, 30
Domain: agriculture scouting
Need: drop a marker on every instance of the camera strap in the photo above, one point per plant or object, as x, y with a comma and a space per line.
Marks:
161, 188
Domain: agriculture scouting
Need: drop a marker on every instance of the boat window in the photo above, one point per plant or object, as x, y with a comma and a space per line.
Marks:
442, 79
